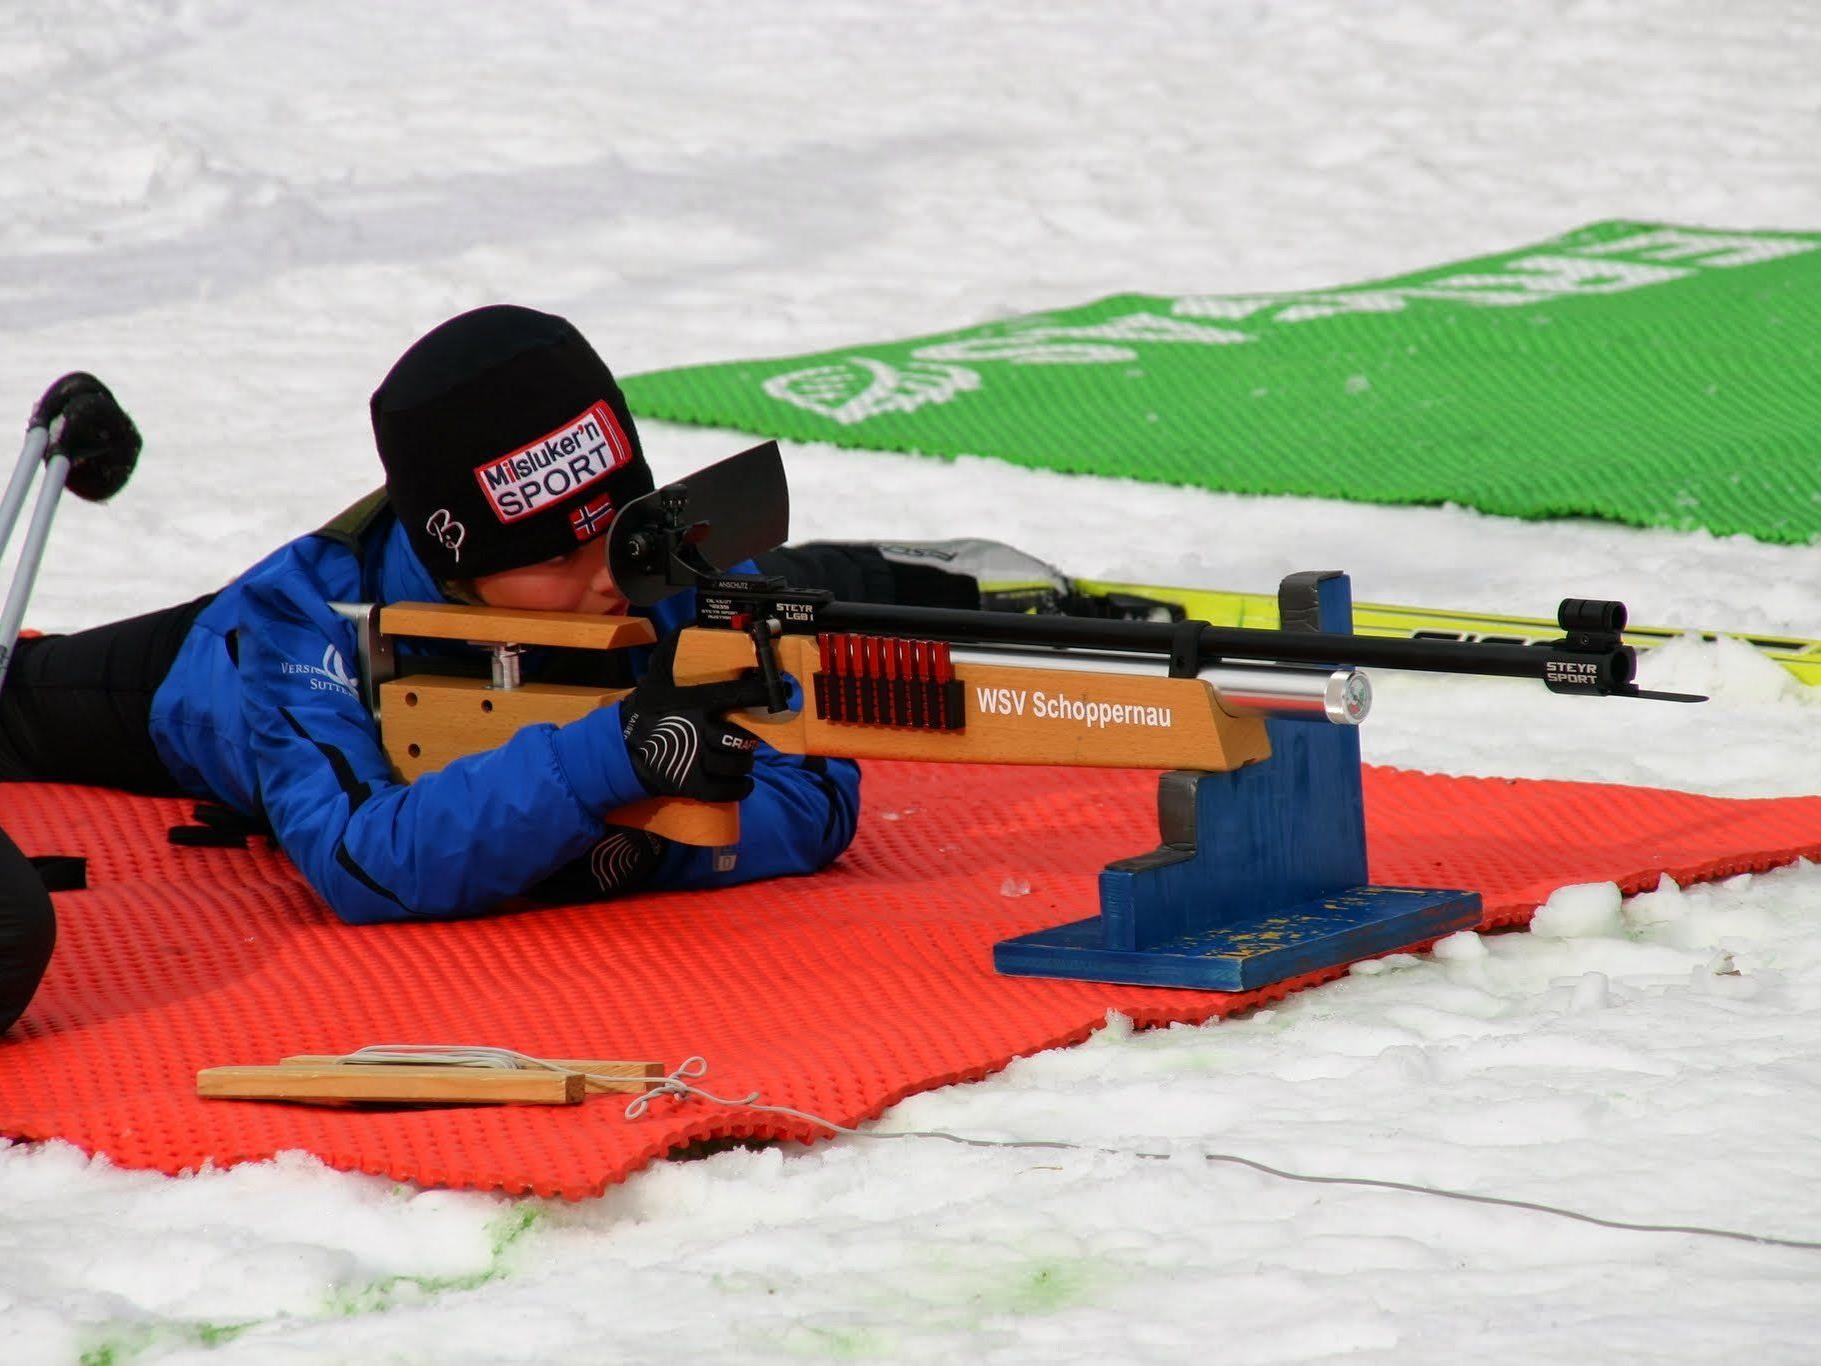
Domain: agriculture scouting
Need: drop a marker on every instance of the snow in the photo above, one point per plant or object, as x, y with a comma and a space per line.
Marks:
238, 216
1586, 910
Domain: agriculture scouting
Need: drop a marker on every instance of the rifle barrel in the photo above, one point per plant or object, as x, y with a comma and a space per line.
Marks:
1214, 643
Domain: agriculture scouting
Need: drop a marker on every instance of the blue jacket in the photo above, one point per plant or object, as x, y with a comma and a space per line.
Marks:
259, 711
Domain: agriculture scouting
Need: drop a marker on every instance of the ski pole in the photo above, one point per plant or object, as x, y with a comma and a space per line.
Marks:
36, 438
36, 533
89, 445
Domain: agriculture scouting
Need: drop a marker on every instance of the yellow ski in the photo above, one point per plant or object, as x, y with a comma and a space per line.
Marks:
1801, 657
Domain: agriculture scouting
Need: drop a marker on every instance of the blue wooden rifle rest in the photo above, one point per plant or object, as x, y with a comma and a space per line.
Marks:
1261, 873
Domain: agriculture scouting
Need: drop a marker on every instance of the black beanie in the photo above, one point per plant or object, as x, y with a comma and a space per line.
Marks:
505, 442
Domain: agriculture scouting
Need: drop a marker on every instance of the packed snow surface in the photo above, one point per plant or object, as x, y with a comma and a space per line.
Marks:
238, 216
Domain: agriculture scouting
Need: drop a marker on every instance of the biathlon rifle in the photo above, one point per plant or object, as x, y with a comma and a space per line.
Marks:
864, 680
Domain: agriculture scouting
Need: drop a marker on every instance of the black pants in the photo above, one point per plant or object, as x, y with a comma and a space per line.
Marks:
28, 929
78, 708
75, 709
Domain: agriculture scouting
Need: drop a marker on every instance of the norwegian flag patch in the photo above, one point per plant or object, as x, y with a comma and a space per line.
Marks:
591, 518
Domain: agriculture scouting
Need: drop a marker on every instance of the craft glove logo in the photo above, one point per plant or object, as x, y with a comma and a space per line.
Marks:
581, 452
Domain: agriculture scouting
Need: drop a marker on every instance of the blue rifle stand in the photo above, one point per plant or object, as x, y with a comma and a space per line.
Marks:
1262, 871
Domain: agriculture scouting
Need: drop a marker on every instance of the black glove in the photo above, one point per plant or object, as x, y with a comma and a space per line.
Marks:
679, 744
621, 861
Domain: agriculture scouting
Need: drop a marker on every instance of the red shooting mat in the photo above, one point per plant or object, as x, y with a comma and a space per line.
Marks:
838, 994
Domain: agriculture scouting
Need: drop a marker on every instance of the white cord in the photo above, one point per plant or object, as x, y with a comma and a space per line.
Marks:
445, 1055
679, 1083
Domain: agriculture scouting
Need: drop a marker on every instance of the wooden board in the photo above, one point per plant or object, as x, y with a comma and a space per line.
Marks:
622, 1076
392, 1083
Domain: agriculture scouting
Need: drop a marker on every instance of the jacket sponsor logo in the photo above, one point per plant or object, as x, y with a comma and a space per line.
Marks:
1052, 706
579, 453
329, 676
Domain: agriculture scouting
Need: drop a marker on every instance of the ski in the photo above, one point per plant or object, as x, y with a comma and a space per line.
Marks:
1141, 601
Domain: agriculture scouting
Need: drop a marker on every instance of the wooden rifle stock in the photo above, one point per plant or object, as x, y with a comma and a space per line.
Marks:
861, 696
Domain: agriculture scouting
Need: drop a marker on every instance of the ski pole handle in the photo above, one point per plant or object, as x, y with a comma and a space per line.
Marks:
86, 424
87, 443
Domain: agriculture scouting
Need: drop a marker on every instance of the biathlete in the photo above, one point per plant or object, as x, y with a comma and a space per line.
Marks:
507, 449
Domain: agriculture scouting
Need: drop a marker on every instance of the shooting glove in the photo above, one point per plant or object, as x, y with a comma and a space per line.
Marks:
679, 744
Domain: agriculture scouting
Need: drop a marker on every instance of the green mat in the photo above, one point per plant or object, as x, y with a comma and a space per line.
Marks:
1642, 372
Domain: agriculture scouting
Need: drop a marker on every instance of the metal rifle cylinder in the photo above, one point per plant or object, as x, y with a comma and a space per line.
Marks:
1342, 696
1288, 692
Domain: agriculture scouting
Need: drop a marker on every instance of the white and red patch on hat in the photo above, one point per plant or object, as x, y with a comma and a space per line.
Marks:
558, 465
